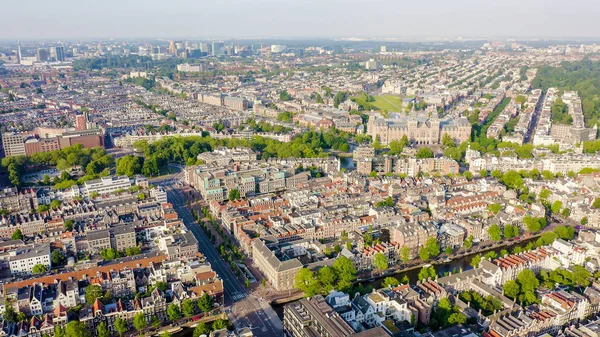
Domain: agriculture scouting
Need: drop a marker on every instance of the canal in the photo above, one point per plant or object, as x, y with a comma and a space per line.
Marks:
441, 268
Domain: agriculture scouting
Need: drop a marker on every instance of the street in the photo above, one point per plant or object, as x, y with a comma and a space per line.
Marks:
247, 310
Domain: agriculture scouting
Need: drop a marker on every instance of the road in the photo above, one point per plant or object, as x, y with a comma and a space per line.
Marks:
247, 310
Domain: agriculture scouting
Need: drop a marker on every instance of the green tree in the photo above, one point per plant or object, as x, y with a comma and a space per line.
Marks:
219, 324
427, 272
39, 269
556, 207
234, 194
448, 250
305, 280
10, 315
205, 302
468, 242
139, 322
432, 246
596, 203
130, 165
565, 212
59, 331
424, 254
405, 254
584, 220
326, 277
189, 307
495, 232
380, 261
92, 292
17, 235
69, 225
57, 257
201, 329
457, 318
544, 194
345, 271
76, 329
55, 204
390, 282
102, 330
581, 276
475, 261
121, 326
494, 208
424, 152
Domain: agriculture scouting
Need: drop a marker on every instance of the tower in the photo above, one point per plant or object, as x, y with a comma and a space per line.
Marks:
172, 49
19, 51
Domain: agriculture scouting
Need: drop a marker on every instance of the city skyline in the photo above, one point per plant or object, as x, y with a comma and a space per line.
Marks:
325, 19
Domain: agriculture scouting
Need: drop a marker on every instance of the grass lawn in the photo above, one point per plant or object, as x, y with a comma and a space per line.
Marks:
388, 102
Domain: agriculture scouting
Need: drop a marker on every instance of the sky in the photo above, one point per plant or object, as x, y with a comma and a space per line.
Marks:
75, 19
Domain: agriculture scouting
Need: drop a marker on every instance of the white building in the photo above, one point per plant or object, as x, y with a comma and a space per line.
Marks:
23, 260
107, 185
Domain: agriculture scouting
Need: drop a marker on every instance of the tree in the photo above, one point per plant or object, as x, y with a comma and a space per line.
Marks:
58, 330
17, 235
130, 165
102, 330
468, 175
165, 334
491, 255
494, 208
596, 203
511, 231
305, 280
10, 315
57, 257
432, 246
483, 173
397, 146
527, 281
457, 318
55, 204
205, 302
92, 292
139, 322
69, 225
76, 329
468, 242
427, 272
448, 250
424, 254
405, 254
565, 212
447, 141
155, 322
173, 312
380, 261
39, 269
219, 324
475, 261
390, 282
201, 329
326, 276
424, 152
545, 193
234, 194
189, 307
120, 326
581, 276
584, 220
556, 207
495, 232
346, 273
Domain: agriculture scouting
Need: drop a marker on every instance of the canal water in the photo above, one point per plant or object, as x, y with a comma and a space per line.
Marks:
442, 268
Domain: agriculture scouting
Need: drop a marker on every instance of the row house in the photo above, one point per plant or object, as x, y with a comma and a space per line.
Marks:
363, 260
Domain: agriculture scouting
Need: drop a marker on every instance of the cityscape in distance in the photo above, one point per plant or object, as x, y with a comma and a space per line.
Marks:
300, 169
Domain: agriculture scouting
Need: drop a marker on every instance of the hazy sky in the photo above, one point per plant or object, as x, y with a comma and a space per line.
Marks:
41, 19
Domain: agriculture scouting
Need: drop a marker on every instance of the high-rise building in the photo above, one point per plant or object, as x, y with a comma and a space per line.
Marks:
217, 48
205, 48
41, 55
81, 121
19, 51
172, 49
13, 144
57, 53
